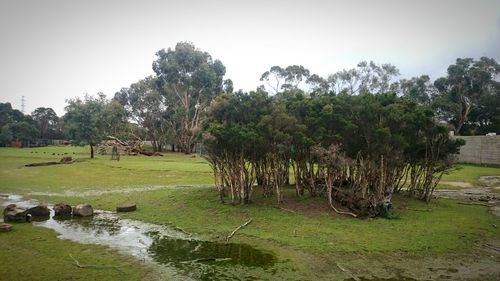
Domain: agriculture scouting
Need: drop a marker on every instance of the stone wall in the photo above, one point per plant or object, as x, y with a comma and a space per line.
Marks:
480, 150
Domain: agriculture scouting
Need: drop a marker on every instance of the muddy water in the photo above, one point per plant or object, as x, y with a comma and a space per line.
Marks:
177, 255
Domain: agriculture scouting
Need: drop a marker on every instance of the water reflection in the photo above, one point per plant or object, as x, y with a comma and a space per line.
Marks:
184, 254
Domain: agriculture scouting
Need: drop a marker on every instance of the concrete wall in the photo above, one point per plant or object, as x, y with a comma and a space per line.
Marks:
480, 150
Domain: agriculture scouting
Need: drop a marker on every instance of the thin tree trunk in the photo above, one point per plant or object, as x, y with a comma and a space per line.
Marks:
91, 151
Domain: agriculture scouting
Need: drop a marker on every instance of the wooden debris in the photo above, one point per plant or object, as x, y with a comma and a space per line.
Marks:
207, 259
126, 208
342, 212
348, 273
236, 229
78, 264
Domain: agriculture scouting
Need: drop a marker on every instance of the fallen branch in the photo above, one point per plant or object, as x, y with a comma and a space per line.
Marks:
347, 272
478, 204
182, 230
207, 259
492, 247
287, 210
236, 229
342, 212
78, 264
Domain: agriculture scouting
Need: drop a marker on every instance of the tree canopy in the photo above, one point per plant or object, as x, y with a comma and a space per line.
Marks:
90, 120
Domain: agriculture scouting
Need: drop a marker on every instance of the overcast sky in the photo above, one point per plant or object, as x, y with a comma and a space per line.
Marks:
54, 50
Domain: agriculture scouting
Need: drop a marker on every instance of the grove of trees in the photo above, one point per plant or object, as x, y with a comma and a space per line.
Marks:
354, 137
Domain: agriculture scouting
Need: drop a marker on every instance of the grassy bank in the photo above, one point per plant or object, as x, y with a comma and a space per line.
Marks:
35, 253
302, 230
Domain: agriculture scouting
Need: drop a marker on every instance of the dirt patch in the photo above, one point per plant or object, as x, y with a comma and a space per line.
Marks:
490, 181
485, 195
481, 263
457, 183
305, 208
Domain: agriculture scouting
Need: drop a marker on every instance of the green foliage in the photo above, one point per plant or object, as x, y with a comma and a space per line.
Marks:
47, 123
15, 126
188, 79
90, 120
469, 96
379, 138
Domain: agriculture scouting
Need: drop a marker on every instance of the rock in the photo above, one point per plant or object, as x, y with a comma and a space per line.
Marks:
62, 209
83, 210
5, 227
39, 211
12, 213
126, 208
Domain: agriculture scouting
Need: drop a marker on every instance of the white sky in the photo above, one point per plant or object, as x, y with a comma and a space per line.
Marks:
54, 50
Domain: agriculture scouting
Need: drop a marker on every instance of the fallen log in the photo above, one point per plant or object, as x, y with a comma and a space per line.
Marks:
126, 208
64, 160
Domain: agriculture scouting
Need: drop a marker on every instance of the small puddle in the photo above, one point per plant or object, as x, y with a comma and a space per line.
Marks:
180, 255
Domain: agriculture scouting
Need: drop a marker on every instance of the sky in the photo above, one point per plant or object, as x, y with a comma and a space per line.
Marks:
51, 51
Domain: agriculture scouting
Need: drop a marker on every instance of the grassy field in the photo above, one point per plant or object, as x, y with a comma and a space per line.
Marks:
175, 190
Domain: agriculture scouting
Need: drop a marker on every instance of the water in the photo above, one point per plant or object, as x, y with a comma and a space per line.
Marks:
177, 254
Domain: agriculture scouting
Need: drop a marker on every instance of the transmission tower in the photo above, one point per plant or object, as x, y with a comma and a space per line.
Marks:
22, 104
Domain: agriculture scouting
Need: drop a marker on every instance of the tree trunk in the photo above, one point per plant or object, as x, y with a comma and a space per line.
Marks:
91, 151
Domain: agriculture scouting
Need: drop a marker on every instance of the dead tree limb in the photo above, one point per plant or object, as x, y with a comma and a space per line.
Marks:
118, 140
236, 229
342, 212
347, 272
78, 264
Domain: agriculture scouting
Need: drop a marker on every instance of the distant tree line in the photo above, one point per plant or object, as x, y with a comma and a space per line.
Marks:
40, 126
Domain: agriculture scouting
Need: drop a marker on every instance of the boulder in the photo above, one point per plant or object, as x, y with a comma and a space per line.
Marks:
62, 209
83, 210
39, 211
12, 213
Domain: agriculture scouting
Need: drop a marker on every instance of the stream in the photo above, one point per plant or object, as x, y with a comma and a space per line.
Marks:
176, 254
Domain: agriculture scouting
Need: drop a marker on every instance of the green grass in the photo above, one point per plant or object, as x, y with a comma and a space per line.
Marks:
471, 173
35, 253
439, 226
307, 236
96, 174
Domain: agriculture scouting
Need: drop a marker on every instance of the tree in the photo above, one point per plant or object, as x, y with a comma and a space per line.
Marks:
90, 120
148, 107
366, 78
15, 126
278, 78
189, 79
467, 93
419, 89
23, 131
46, 121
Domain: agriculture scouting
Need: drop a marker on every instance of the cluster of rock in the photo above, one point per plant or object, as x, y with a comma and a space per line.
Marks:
13, 213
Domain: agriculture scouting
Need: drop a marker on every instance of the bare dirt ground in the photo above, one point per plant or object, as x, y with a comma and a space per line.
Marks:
487, 194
